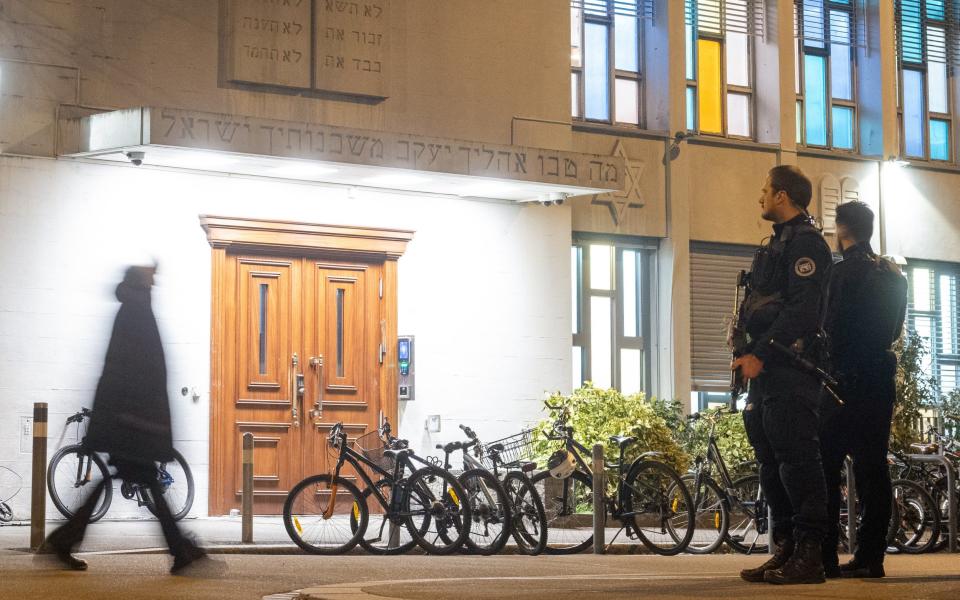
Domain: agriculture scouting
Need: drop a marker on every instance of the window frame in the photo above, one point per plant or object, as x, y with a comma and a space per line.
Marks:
584, 16
938, 358
922, 68
725, 88
645, 343
802, 50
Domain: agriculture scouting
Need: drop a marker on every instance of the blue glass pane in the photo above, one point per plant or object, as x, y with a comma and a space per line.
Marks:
815, 99
841, 72
596, 73
939, 140
913, 113
911, 31
813, 23
691, 109
842, 127
935, 9
691, 65
625, 32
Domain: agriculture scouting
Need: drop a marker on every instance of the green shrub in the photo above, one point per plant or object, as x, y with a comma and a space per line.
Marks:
596, 414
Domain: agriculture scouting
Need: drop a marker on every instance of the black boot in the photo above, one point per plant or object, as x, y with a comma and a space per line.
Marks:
861, 568
831, 562
781, 554
805, 566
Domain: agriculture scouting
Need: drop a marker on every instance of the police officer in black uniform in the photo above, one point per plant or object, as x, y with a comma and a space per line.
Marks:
866, 304
782, 315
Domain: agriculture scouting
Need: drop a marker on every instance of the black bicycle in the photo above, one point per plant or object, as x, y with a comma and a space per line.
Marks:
74, 472
650, 501
727, 509
328, 514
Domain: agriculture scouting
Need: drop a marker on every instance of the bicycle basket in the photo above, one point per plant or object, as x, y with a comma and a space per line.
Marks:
516, 448
371, 446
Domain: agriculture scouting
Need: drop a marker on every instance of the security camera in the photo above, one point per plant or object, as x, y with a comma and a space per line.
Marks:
136, 157
546, 202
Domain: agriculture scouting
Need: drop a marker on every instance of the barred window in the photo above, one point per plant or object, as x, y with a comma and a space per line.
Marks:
927, 44
827, 34
719, 65
606, 59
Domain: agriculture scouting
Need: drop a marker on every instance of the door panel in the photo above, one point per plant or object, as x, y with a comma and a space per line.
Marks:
265, 385
303, 347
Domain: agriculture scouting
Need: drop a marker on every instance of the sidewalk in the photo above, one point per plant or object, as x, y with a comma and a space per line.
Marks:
219, 535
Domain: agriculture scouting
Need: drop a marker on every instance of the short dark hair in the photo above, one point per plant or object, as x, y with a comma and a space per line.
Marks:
857, 218
790, 179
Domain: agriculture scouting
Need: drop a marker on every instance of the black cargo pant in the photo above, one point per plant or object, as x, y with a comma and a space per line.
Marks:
861, 429
70, 535
781, 419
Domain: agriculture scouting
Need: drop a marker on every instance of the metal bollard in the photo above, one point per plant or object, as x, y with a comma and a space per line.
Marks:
599, 506
770, 548
851, 506
38, 489
247, 497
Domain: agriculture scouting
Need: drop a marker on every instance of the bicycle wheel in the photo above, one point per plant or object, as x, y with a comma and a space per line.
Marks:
6, 513
938, 491
568, 504
657, 501
176, 481
918, 519
383, 535
312, 527
489, 510
73, 474
435, 511
747, 531
711, 514
528, 519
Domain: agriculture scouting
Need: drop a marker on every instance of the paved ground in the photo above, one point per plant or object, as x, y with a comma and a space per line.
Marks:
362, 577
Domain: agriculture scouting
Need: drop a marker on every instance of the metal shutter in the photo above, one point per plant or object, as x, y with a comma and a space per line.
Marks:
713, 276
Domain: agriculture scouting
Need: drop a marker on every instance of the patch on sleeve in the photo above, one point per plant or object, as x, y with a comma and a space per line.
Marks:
804, 267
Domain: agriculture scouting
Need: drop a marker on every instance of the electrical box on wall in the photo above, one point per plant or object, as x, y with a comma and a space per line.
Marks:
405, 390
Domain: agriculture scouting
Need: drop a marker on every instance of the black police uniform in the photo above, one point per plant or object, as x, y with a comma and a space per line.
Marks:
861, 330
788, 279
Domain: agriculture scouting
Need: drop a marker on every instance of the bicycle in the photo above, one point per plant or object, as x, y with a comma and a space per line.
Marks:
916, 520
728, 510
529, 526
9, 480
75, 471
428, 504
649, 499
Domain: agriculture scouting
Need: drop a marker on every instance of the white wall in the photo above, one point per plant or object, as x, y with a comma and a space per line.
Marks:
483, 286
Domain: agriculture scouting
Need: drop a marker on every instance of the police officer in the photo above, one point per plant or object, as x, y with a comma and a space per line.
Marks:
782, 315
866, 304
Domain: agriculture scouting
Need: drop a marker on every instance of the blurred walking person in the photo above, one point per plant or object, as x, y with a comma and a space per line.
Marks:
130, 421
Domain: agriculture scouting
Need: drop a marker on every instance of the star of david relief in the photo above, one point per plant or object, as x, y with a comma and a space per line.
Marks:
630, 197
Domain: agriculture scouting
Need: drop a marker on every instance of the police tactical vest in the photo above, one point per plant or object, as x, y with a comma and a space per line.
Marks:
769, 279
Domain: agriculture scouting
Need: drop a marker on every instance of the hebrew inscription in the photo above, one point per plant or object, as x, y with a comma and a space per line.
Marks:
352, 44
339, 46
268, 42
250, 135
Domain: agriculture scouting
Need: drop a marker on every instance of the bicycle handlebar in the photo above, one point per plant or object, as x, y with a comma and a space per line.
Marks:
468, 432
79, 416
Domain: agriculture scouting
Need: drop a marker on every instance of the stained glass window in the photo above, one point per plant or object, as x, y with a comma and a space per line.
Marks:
826, 73
719, 65
605, 60
925, 105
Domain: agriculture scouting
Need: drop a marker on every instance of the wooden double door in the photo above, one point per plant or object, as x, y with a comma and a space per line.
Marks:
305, 349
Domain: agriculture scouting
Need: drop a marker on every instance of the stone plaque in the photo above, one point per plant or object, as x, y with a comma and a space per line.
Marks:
352, 46
268, 42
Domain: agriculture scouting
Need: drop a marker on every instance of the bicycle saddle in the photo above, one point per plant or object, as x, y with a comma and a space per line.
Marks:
495, 448
528, 466
397, 454
926, 448
622, 440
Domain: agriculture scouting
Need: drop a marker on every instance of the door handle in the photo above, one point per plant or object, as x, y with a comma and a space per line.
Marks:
296, 383
316, 363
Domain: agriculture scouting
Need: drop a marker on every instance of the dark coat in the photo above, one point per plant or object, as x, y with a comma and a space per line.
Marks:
131, 410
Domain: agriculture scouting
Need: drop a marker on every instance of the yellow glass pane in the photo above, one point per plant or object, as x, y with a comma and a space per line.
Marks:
710, 88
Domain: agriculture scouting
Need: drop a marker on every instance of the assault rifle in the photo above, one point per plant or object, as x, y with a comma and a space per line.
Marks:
737, 338
829, 383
